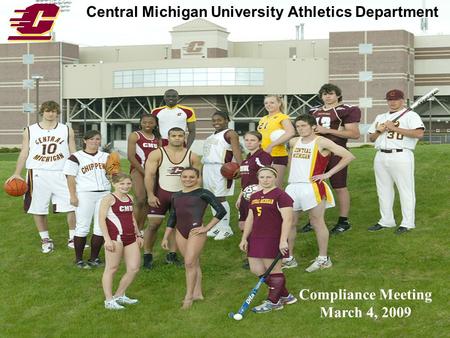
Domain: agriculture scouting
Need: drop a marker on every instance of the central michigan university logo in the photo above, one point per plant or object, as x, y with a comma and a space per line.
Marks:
35, 24
194, 48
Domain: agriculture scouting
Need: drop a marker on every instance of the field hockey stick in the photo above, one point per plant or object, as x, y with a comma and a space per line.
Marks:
240, 314
418, 102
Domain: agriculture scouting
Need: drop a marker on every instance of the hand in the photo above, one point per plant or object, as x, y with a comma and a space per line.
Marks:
13, 177
199, 231
165, 244
321, 130
238, 203
381, 128
243, 245
284, 248
140, 241
390, 126
320, 178
74, 201
109, 245
153, 201
237, 173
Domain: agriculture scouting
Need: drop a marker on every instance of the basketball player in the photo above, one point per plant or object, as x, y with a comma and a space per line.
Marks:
309, 158
265, 234
46, 146
88, 184
162, 179
337, 122
220, 147
175, 115
122, 238
140, 144
186, 214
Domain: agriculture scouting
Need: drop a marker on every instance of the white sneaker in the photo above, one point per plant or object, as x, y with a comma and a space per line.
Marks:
289, 263
224, 233
319, 265
71, 244
124, 300
113, 305
47, 245
213, 232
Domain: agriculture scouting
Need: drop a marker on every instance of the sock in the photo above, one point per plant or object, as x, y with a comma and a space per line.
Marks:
225, 221
79, 244
44, 234
322, 258
71, 234
277, 287
343, 220
96, 245
287, 259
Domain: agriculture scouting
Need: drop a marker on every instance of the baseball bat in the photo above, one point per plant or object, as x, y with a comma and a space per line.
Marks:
418, 102
239, 315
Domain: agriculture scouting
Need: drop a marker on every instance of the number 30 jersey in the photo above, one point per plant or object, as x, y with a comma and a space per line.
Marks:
48, 148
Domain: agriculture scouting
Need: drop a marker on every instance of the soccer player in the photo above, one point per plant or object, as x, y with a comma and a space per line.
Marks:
88, 184
276, 120
140, 144
220, 147
310, 155
122, 238
46, 146
186, 215
162, 179
175, 115
338, 122
265, 234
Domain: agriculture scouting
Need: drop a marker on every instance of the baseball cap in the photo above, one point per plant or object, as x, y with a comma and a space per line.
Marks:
395, 94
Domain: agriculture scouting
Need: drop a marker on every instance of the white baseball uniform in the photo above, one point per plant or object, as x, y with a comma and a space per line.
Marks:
91, 184
48, 152
394, 164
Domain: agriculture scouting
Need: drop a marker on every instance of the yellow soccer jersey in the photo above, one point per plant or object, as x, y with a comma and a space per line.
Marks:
266, 126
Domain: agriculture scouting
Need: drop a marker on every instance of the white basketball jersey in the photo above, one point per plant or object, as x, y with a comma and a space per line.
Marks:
216, 150
48, 149
392, 140
89, 170
169, 172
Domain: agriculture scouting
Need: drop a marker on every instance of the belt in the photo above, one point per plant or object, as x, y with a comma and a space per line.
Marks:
390, 151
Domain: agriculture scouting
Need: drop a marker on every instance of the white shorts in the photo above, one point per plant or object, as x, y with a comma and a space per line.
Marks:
88, 207
46, 185
215, 182
309, 195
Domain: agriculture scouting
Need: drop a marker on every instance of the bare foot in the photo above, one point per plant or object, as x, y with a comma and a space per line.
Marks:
187, 303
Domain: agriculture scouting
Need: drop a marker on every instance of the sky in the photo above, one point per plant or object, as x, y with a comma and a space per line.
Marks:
76, 27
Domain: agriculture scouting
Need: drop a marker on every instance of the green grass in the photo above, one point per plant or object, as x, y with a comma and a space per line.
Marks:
46, 296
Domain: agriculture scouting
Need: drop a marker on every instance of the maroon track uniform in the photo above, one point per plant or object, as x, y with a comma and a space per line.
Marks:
188, 209
264, 240
119, 221
335, 118
249, 175
144, 146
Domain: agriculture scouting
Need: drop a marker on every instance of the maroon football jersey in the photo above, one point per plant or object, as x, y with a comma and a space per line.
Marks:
251, 165
267, 218
335, 118
119, 219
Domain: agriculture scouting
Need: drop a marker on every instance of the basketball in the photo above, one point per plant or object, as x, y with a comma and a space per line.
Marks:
276, 134
15, 187
228, 169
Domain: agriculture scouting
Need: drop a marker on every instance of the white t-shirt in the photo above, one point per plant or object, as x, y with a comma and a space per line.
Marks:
216, 150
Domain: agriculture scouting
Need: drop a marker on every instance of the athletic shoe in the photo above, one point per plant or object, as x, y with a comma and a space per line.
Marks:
307, 228
95, 263
289, 299
70, 244
246, 265
376, 227
268, 306
340, 228
401, 230
82, 265
113, 305
148, 261
172, 258
213, 232
124, 300
319, 265
47, 245
289, 263
223, 233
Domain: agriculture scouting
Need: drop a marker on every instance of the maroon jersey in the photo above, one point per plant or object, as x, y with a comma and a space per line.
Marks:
251, 165
267, 218
144, 146
335, 118
119, 219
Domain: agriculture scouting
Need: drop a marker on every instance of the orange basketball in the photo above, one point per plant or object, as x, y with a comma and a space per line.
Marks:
15, 187
228, 169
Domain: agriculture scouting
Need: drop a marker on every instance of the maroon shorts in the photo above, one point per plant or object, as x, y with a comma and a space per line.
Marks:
280, 160
338, 180
243, 209
125, 239
263, 247
165, 198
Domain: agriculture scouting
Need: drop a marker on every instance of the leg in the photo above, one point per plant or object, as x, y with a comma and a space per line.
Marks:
141, 206
198, 293
316, 216
151, 232
111, 266
257, 266
132, 260
293, 233
41, 222
343, 197
223, 226
281, 170
71, 220
385, 189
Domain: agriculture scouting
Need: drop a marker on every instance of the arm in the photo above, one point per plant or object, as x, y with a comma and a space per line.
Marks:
21, 160
248, 226
72, 185
413, 133
235, 146
238, 201
131, 153
219, 209
191, 136
376, 129
197, 163
286, 214
139, 237
105, 204
289, 133
171, 222
72, 145
151, 167
350, 131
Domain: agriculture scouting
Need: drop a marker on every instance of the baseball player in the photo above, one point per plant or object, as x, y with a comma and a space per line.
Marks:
220, 147
46, 145
337, 122
88, 184
395, 138
175, 115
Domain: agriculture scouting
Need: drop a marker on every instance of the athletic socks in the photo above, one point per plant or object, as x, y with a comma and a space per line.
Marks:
71, 234
277, 287
79, 244
44, 234
322, 258
343, 220
96, 245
